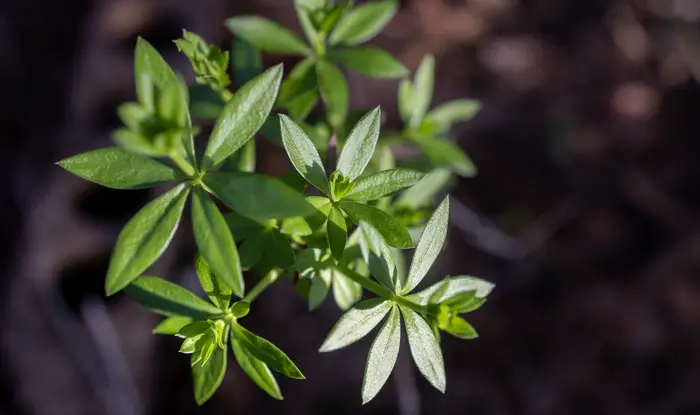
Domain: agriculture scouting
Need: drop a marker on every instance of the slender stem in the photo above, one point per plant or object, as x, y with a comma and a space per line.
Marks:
225, 94
183, 165
266, 281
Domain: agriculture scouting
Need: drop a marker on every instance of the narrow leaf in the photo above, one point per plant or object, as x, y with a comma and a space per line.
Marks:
369, 61
267, 352
207, 378
393, 232
303, 154
455, 286
144, 238
164, 297
218, 293
267, 35
443, 116
382, 356
337, 232
247, 61
346, 292
363, 22
422, 92
459, 328
359, 147
425, 349
172, 325
378, 256
149, 68
383, 183
255, 369
355, 324
334, 92
405, 96
444, 153
423, 192
320, 285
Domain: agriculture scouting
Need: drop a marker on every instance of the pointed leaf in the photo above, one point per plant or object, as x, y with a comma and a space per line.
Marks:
320, 286
369, 61
455, 286
172, 325
382, 356
423, 192
267, 352
247, 61
443, 153
378, 256
242, 116
267, 35
164, 297
337, 232
363, 22
242, 227
218, 292
334, 92
443, 116
346, 292
278, 251
359, 147
383, 183
405, 97
355, 324
393, 232
144, 238
207, 378
149, 68
459, 328
422, 92
303, 154
425, 349
255, 369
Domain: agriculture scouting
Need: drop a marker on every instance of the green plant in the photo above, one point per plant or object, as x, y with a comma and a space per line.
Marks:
346, 233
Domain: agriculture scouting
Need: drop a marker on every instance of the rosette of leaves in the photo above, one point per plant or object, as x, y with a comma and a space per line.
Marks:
210, 64
424, 313
140, 163
207, 326
336, 33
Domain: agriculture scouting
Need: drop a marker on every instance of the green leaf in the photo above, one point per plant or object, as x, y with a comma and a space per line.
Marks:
382, 356
257, 196
255, 369
195, 329
215, 241
346, 292
363, 22
267, 352
251, 251
422, 92
247, 61
205, 103
423, 192
337, 232
323, 209
242, 116
164, 297
304, 8
359, 147
303, 154
444, 153
429, 246
369, 61
301, 80
240, 309
443, 116
172, 325
242, 227
243, 160
267, 35
378, 256
393, 232
279, 251
334, 92
320, 285
144, 238
456, 286
425, 349
459, 328
356, 323
218, 293
383, 183
207, 378
117, 168
405, 97
149, 68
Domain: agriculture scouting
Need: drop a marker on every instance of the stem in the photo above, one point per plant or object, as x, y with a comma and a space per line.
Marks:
266, 281
183, 165
225, 94
321, 45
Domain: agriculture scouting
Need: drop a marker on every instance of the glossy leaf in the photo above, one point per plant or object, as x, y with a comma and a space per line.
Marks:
422, 92
267, 352
359, 146
444, 153
377, 256
149, 68
334, 92
443, 116
382, 356
255, 369
363, 22
423, 192
456, 285
425, 349
207, 378
172, 325
215, 242
242, 116
267, 35
117, 168
356, 323
166, 298
303, 154
369, 61
144, 238
429, 246
383, 183
337, 232
218, 292
393, 232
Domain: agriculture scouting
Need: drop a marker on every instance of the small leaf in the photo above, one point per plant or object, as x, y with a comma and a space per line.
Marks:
251, 251
215, 242
172, 325
164, 297
205, 103
117, 168
267, 35
247, 61
359, 147
304, 8
218, 293
456, 285
255, 369
334, 92
346, 292
422, 193
257, 196
422, 92
207, 378
425, 349
267, 352
144, 238
459, 328
363, 22
405, 97
240, 309
303, 154
393, 232
242, 116
242, 227
378, 256
369, 61
382, 356
429, 246
149, 68
278, 251
337, 232
383, 183
443, 116
320, 286
323, 209
443, 153
301, 80
194, 329
355, 324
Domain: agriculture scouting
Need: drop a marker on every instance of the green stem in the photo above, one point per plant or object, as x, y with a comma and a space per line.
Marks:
321, 45
266, 281
183, 165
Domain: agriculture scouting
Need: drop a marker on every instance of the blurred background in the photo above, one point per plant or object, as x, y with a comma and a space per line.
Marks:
584, 213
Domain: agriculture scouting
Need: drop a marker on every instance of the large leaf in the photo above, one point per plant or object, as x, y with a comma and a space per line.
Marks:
149, 68
363, 22
117, 168
166, 298
369, 61
356, 323
334, 92
255, 369
443, 153
207, 378
242, 116
422, 92
393, 232
144, 238
429, 246
303, 154
218, 293
378, 256
267, 352
257, 196
425, 349
215, 241
267, 35
359, 146
455, 286
382, 356
442, 117
337, 232
422, 193
383, 183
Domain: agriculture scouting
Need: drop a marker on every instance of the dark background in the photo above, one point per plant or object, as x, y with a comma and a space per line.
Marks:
584, 213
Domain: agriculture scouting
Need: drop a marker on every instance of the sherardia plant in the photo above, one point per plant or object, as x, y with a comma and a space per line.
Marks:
344, 232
